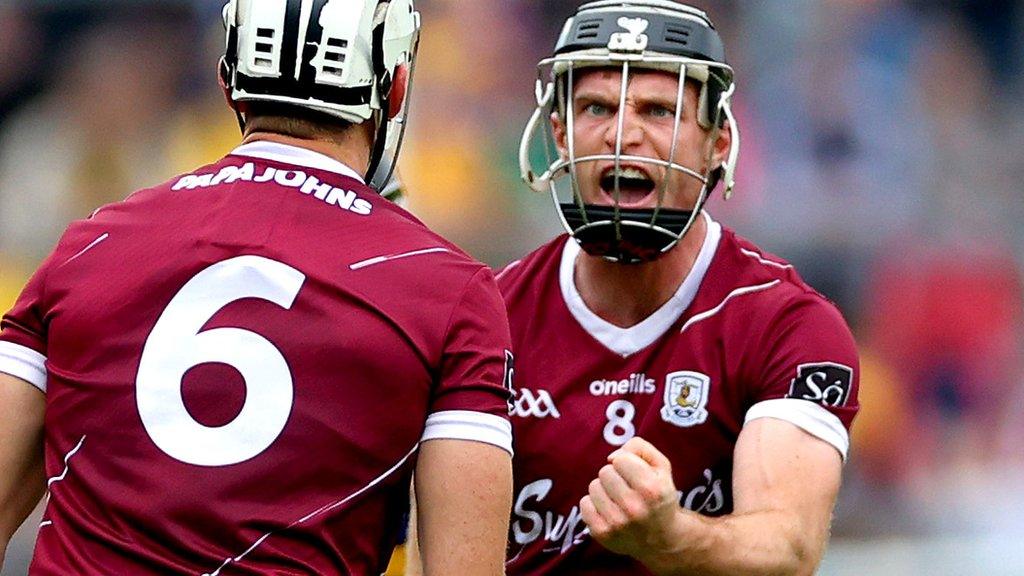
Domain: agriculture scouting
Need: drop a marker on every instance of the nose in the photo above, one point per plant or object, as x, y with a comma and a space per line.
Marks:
632, 129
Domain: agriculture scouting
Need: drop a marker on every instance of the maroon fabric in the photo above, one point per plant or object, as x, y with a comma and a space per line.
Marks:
750, 350
372, 350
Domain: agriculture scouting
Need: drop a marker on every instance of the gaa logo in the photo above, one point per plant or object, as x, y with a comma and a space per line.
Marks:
826, 383
539, 405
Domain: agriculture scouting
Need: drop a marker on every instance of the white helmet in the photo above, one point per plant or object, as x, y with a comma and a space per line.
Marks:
336, 57
628, 34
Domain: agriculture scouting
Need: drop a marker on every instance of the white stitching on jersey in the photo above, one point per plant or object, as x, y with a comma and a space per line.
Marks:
765, 261
67, 466
317, 512
380, 259
508, 268
736, 292
55, 479
102, 237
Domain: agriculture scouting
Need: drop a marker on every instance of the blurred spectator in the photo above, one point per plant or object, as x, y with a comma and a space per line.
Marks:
949, 316
461, 162
973, 174
99, 130
20, 43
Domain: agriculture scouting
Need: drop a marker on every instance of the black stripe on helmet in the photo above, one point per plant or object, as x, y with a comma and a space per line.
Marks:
310, 46
305, 87
290, 40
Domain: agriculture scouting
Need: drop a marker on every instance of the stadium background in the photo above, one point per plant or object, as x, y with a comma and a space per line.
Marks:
882, 155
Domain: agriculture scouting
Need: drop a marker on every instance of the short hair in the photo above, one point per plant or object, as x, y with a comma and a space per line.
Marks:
294, 121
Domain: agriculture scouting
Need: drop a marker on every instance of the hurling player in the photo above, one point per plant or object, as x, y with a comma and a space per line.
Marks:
237, 371
683, 399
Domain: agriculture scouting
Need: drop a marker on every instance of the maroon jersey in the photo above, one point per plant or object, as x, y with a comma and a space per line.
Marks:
239, 366
742, 338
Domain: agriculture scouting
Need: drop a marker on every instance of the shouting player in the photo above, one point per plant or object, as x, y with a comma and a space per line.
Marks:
237, 371
683, 398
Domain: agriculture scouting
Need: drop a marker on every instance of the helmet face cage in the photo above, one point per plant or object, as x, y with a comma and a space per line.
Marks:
336, 57
616, 233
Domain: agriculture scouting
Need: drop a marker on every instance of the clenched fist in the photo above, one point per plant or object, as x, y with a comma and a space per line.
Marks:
633, 506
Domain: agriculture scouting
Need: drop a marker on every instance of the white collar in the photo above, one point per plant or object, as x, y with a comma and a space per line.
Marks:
628, 341
295, 155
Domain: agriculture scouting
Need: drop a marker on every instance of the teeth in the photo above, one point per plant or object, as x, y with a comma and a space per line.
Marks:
634, 173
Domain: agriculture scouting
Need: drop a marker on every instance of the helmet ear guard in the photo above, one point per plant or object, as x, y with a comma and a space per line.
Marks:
336, 57
658, 35
396, 42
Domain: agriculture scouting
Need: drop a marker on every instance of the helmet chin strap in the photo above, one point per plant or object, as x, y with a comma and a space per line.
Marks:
625, 235
629, 235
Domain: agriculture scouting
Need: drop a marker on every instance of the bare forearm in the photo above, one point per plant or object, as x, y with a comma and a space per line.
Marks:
463, 498
768, 543
22, 478
20, 502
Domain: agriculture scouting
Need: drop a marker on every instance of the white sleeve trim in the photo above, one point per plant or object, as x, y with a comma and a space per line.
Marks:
24, 363
808, 416
469, 425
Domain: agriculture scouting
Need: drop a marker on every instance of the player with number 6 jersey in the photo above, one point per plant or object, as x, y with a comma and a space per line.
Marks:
241, 368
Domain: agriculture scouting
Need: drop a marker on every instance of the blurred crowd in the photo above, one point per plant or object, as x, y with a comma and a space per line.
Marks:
878, 156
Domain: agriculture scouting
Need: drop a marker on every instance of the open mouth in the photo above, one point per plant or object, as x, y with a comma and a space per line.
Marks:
634, 185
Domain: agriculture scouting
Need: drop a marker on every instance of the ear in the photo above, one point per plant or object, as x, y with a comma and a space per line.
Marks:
399, 89
559, 132
722, 144
224, 80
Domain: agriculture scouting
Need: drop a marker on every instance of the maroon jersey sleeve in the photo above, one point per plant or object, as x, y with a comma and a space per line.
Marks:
808, 371
471, 398
23, 332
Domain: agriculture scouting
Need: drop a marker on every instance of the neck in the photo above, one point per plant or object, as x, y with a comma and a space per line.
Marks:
626, 295
353, 152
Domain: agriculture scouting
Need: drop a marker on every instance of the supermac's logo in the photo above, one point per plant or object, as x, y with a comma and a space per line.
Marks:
826, 383
686, 398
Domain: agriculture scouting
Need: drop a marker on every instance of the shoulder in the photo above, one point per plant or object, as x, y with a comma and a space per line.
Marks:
746, 268
144, 198
518, 276
404, 241
757, 301
772, 302
393, 256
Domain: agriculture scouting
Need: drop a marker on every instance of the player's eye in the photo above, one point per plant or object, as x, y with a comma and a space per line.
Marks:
596, 109
658, 111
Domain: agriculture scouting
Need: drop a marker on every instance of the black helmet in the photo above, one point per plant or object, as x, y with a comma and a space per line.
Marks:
627, 34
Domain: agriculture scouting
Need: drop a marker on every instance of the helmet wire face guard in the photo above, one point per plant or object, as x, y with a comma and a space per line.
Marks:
619, 35
335, 57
